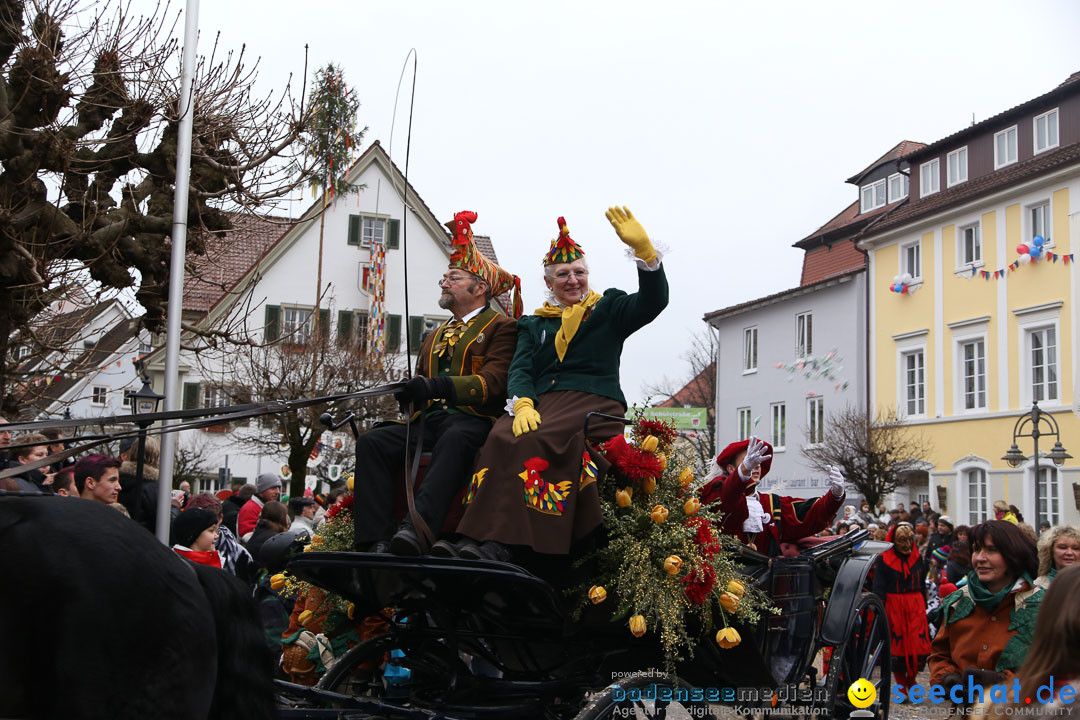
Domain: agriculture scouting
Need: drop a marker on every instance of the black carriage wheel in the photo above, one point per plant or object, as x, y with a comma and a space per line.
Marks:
864, 654
645, 697
349, 677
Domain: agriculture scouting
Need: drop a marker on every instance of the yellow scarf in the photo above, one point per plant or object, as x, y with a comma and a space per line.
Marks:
571, 319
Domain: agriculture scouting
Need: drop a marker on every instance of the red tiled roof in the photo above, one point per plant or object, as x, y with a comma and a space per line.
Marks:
849, 218
902, 148
694, 391
731, 310
1066, 87
984, 185
228, 258
826, 261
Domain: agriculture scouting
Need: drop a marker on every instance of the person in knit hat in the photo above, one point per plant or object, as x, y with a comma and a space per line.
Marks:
267, 489
458, 391
765, 521
535, 480
194, 534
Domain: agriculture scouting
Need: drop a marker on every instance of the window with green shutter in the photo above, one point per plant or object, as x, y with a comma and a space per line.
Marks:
393, 333
354, 229
345, 328
324, 324
392, 241
272, 323
192, 395
416, 329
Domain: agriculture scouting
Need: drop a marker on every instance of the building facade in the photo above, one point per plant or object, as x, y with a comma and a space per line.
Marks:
979, 332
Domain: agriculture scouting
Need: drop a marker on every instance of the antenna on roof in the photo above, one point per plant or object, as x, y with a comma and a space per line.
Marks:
972, 119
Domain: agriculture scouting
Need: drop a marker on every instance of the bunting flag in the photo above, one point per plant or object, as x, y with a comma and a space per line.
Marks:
1015, 265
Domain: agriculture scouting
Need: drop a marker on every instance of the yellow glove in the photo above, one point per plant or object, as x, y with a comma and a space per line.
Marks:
631, 233
526, 419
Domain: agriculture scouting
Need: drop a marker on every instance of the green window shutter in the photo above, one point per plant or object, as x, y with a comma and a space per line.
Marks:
354, 229
344, 326
324, 324
192, 393
416, 329
240, 395
393, 333
395, 232
272, 326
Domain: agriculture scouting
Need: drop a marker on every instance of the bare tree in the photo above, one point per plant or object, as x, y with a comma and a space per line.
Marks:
873, 453
284, 371
698, 390
89, 97
191, 462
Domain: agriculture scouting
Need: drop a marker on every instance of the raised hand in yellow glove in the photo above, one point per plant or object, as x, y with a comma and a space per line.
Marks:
526, 418
631, 233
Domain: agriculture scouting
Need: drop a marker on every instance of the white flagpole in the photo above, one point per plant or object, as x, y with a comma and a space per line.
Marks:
176, 267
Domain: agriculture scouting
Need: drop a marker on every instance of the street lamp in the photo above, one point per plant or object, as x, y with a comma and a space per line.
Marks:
1015, 457
144, 401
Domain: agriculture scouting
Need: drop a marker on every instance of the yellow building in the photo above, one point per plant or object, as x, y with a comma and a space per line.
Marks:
979, 333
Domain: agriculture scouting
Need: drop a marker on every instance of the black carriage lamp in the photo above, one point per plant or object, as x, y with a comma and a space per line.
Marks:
144, 401
1036, 419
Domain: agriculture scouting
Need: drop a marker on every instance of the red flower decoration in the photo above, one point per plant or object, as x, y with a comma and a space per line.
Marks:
345, 505
660, 430
704, 537
630, 462
699, 583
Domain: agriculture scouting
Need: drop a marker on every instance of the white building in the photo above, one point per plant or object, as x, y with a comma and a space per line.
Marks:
274, 295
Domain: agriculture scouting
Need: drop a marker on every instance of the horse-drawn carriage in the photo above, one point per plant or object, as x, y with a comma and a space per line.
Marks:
482, 639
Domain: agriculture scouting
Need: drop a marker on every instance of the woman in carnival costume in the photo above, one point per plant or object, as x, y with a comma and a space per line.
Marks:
899, 575
987, 625
535, 479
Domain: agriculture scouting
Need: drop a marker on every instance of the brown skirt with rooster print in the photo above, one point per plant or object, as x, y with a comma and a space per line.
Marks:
540, 489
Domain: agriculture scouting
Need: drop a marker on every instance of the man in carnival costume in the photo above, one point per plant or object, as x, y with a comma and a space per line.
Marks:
459, 388
765, 520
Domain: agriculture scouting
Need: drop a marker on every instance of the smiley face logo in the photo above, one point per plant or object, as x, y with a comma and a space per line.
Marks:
862, 693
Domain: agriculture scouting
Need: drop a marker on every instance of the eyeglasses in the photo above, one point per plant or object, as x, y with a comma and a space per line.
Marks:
448, 279
564, 275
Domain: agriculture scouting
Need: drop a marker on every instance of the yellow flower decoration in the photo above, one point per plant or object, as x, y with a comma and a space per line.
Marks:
597, 594
728, 638
659, 514
637, 625
650, 443
691, 506
673, 564
624, 497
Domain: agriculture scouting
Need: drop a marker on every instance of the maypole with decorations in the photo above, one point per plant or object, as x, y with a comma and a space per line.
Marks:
331, 139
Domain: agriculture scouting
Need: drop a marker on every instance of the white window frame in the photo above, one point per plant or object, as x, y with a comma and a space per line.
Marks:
960, 156
1046, 209
982, 498
962, 261
104, 395
930, 171
369, 221
1029, 369
1048, 116
1054, 500
778, 430
877, 196
804, 334
1000, 162
214, 397
898, 193
296, 332
916, 277
961, 376
815, 421
750, 342
745, 423
906, 345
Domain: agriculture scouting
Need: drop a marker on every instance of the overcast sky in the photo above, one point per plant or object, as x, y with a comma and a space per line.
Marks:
728, 128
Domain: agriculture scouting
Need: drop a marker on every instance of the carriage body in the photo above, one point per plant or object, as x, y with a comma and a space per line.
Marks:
474, 638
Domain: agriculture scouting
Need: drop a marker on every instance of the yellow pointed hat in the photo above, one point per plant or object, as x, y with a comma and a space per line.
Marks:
467, 257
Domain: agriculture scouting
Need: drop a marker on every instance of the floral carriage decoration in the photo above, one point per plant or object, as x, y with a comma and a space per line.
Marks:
665, 561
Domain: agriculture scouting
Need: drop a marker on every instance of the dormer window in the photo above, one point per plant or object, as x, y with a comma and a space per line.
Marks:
958, 166
1046, 131
872, 196
930, 177
898, 187
1005, 148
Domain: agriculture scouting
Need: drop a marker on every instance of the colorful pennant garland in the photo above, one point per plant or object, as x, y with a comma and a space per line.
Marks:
1011, 267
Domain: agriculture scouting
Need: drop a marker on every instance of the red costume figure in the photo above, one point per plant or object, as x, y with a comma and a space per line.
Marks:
765, 520
899, 581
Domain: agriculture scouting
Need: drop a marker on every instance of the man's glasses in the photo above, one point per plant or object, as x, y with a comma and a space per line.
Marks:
449, 279
564, 275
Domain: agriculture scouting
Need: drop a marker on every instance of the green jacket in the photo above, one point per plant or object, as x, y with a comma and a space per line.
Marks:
592, 359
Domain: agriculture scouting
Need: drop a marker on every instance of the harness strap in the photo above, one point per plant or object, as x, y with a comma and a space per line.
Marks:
423, 532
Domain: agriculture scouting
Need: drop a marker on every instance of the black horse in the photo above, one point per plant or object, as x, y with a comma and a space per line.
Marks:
99, 620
